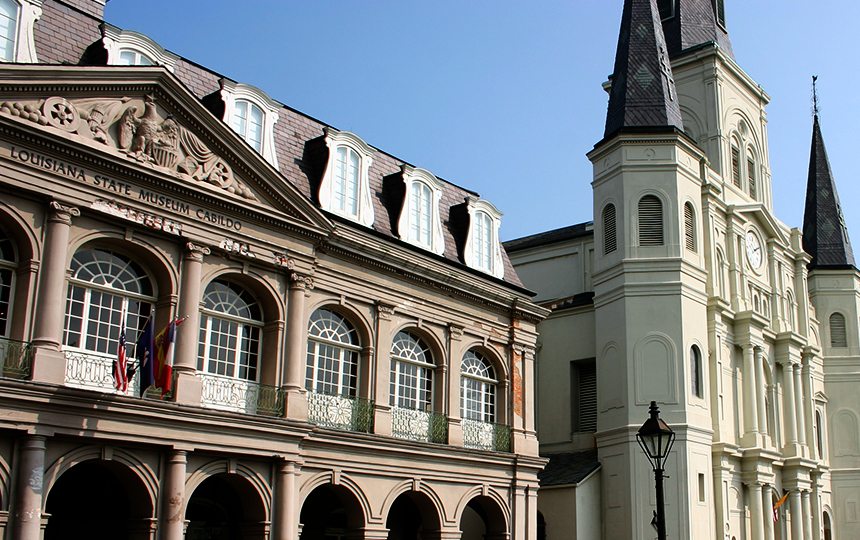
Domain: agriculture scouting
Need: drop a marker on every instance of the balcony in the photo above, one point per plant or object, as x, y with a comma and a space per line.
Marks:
340, 412
15, 359
419, 425
486, 435
239, 395
94, 371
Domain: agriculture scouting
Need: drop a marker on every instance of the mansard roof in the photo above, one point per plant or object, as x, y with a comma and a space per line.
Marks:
694, 23
825, 235
643, 95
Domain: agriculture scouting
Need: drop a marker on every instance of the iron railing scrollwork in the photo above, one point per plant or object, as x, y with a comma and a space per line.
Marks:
15, 359
239, 395
93, 371
419, 425
340, 412
486, 435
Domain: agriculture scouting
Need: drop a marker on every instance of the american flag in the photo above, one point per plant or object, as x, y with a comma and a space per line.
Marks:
120, 366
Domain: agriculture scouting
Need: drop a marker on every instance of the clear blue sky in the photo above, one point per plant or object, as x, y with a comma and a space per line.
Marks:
503, 97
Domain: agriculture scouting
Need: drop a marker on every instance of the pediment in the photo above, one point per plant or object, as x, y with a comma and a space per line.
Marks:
758, 212
151, 122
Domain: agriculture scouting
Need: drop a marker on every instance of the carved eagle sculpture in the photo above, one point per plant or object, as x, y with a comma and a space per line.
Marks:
146, 134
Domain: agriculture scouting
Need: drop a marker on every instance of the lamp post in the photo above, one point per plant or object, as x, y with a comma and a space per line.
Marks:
656, 439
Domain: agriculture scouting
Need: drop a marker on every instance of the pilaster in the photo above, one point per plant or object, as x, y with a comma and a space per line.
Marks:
27, 511
296, 402
189, 388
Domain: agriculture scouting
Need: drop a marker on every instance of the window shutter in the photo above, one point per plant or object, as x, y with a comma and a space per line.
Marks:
650, 221
838, 338
736, 167
610, 239
587, 421
751, 178
689, 228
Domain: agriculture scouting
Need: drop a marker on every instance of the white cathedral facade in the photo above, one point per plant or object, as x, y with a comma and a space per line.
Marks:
687, 290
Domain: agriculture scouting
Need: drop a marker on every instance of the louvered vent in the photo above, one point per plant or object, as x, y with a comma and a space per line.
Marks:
587, 421
650, 221
689, 227
751, 178
838, 338
610, 239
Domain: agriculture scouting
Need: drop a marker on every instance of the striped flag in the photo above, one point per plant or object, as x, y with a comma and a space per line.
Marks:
777, 505
120, 365
163, 365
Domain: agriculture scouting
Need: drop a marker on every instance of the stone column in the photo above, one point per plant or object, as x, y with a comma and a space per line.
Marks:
750, 406
173, 497
756, 513
297, 347
27, 511
816, 508
188, 387
286, 516
790, 421
767, 508
796, 515
382, 409
807, 514
49, 364
809, 406
761, 389
798, 404
455, 356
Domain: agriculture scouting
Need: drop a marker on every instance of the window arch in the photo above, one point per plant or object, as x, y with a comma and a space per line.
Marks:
231, 324
789, 308
8, 29
8, 264
412, 367
333, 349
752, 174
133, 57
819, 436
108, 293
689, 227
478, 388
736, 163
420, 222
421, 214
482, 245
345, 188
247, 121
838, 337
610, 229
696, 383
650, 221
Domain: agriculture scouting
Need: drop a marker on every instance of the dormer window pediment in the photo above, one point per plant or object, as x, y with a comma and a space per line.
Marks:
345, 186
127, 48
483, 251
420, 222
252, 114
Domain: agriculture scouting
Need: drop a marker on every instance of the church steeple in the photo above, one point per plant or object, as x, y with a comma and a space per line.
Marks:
825, 235
643, 91
689, 23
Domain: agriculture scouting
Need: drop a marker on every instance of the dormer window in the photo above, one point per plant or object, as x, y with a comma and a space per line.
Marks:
16, 30
483, 251
126, 48
720, 12
131, 57
420, 223
345, 187
252, 114
8, 29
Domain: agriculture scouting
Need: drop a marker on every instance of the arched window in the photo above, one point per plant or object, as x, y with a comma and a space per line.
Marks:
421, 214
789, 308
610, 230
332, 363
108, 294
346, 182
247, 121
838, 337
828, 527
411, 383
720, 12
736, 165
752, 176
231, 322
8, 263
696, 371
650, 221
483, 243
8, 29
477, 388
819, 443
132, 57
721, 275
689, 227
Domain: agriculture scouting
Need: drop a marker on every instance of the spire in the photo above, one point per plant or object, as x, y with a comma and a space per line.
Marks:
689, 23
643, 90
825, 235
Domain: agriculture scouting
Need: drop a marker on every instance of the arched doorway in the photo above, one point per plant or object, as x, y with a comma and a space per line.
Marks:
225, 507
330, 513
482, 519
412, 516
828, 532
99, 500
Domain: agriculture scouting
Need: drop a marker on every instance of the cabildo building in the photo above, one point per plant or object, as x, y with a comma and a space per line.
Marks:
356, 357
685, 289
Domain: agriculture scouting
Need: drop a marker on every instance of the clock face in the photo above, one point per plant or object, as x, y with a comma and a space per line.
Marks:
754, 253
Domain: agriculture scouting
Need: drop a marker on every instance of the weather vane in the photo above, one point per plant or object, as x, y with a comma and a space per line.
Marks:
814, 96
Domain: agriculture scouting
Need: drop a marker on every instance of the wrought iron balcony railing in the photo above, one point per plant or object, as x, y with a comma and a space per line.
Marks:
419, 425
340, 412
486, 435
239, 395
94, 371
15, 359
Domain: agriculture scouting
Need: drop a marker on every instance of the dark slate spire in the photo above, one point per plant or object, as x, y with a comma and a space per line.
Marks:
643, 91
825, 235
689, 23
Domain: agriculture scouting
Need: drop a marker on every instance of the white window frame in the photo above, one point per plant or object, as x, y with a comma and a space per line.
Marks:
335, 139
487, 387
205, 346
116, 41
496, 267
233, 92
24, 46
348, 348
424, 371
9, 265
415, 177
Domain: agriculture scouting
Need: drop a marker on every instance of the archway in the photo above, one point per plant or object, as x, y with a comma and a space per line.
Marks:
99, 500
482, 519
412, 516
541, 527
223, 507
828, 532
330, 513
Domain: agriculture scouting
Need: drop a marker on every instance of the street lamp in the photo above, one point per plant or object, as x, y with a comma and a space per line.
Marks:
656, 439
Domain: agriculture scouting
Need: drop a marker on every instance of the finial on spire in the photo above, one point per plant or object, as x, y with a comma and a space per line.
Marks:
814, 95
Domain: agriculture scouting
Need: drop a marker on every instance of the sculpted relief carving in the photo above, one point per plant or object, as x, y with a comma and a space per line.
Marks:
139, 130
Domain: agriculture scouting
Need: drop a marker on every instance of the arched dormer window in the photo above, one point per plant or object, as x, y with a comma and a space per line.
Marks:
17, 18
127, 48
420, 223
838, 336
252, 114
689, 227
650, 221
752, 174
483, 251
345, 186
8, 29
610, 229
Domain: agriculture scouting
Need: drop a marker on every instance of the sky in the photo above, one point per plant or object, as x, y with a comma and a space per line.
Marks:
504, 97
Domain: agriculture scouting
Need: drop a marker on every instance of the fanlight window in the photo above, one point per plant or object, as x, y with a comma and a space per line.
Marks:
650, 221
346, 181
838, 337
332, 362
421, 214
610, 232
689, 227
108, 293
230, 326
483, 241
8, 29
478, 385
247, 121
7, 279
411, 383
131, 57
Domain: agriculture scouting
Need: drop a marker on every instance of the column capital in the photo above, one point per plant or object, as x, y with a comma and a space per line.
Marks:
196, 252
385, 311
455, 331
62, 213
301, 281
